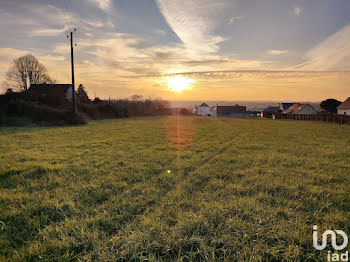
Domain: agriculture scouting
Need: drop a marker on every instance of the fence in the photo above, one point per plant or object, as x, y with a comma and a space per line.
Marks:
335, 118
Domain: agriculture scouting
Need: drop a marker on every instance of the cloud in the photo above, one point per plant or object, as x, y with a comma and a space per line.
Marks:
194, 22
103, 4
120, 65
257, 75
277, 52
297, 10
160, 32
263, 74
235, 19
331, 54
48, 31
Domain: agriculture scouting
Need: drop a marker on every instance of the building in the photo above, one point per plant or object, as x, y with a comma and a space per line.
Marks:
59, 92
203, 110
270, 111
301, 109
344, 108
285, 106
235, 111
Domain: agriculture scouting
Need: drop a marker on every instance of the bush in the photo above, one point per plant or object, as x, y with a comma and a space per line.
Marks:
136, 106
184, 111
57, 111
42, 114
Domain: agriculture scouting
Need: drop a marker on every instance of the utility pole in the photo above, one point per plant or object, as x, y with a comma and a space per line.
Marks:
72, 64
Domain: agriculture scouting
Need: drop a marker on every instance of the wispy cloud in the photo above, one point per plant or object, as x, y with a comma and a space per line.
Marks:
331, 54
277, 52
235, 19
103, 4
194, 22
48, 31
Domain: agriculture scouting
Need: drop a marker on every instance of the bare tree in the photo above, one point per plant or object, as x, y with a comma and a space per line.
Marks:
24, 71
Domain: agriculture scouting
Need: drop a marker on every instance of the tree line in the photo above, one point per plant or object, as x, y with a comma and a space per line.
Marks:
27, 70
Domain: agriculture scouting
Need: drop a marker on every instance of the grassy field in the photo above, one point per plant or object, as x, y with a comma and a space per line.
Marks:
172, 188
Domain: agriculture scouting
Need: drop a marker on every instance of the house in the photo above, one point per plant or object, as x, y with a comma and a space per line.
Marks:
270, 111
235, 111
203, 110
59, 92
301, 109
285, 106
344, 108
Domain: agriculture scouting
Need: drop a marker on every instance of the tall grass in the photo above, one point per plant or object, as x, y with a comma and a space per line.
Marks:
172, 188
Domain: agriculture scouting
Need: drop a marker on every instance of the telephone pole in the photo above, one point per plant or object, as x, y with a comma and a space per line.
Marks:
72, 65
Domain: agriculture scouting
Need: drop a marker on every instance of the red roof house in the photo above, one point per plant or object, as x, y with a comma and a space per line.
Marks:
301, 109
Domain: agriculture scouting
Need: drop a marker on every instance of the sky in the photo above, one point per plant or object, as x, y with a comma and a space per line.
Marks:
282, 50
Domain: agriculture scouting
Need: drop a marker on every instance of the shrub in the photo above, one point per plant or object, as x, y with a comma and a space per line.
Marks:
42, 114
57, 111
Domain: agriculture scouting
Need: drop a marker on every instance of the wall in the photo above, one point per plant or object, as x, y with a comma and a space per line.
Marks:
343, 112
203, 111
69, 93
238, 115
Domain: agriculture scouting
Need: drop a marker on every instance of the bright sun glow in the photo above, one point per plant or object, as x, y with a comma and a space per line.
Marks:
179, 83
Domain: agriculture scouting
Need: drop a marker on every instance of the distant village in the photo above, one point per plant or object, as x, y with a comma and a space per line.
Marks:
52, 103
239, 111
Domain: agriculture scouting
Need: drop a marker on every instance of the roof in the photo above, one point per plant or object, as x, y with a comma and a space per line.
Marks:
295, 108
204, 104
49, 89
285, 106
271, 109
345, 104
230, 109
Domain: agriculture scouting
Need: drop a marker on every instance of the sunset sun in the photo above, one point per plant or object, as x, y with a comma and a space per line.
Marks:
179, 83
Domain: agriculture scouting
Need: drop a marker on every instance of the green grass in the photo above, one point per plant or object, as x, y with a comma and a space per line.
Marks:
172, 188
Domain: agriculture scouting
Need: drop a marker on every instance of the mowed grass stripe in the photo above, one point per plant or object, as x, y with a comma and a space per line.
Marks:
180, 198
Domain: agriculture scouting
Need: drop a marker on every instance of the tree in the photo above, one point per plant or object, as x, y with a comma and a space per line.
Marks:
136, 97
330, 105
24, 71
97, 100
9, 91
82, 95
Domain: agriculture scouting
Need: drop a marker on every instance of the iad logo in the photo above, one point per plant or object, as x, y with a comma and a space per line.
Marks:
334, 256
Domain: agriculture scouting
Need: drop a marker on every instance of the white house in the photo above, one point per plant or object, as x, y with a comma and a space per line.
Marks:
344, 108
203, 110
